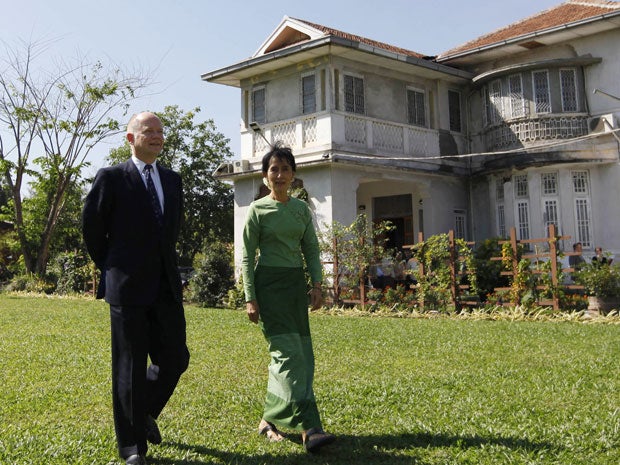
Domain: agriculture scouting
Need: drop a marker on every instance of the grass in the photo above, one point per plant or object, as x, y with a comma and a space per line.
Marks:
395, 391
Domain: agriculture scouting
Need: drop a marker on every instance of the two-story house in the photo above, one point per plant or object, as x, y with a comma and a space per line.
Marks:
516, 128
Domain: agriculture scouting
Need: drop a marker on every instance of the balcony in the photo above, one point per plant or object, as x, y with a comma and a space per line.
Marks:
351, 133
527, 132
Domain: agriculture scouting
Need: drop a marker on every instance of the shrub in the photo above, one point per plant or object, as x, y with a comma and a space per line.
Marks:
71, 271
213, 275
599, 280
29, 282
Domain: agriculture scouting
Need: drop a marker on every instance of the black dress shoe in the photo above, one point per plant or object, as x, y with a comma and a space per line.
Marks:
152, 431
136, 460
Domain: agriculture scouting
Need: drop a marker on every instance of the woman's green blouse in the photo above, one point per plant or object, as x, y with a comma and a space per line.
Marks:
284, 235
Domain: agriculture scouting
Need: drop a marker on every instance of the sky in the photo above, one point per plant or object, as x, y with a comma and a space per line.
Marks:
177, 41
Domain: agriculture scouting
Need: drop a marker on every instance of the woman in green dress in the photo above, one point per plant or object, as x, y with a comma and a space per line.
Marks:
280, 227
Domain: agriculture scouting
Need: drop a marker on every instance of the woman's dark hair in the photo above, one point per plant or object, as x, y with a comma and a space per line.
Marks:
279, 150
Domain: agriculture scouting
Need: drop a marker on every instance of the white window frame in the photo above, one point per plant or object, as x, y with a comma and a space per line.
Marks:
419, 118
358, 100
256, 90
302, 93
549, 184
569, 93
542, 95
551, 214
501, 220
521, 187
522, 215
583, 221
517, 100
460, 224
496, 103
581, 182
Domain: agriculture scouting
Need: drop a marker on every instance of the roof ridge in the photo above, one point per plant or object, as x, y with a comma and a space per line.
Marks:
357, 38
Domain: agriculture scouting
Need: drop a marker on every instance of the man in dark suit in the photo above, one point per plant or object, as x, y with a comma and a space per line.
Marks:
131, 222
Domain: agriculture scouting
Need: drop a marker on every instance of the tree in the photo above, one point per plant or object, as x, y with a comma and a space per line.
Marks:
195, 150
53, 120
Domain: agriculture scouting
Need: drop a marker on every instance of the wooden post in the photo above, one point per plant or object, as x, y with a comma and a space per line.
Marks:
336, 272
553, 257
362, 278
515, 261
454, 291
421, 272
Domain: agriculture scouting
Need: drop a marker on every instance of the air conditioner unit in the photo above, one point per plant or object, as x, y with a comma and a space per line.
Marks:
602, 123
240, 166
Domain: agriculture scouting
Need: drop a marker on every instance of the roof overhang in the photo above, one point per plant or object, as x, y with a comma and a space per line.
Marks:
233, 75
544, 37
495, 73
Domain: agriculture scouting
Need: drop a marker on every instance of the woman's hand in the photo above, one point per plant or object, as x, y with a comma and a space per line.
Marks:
316, 297
252, 310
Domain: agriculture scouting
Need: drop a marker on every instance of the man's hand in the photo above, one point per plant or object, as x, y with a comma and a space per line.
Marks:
252, 310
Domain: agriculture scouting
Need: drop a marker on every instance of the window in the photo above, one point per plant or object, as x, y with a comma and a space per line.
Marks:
499, 190
521, 186
580, 182
523, 220
454, 106
495, 102
583, 222
308, 94
517, 103
568, 87
258, 105
416, 108
542, 101
354, 94
459, 224
501, 221
550, 215
549, 183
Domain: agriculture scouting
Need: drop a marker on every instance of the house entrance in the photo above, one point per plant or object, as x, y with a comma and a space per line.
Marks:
399, 211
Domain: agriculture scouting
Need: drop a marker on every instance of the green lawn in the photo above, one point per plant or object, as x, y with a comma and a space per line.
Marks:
395, 391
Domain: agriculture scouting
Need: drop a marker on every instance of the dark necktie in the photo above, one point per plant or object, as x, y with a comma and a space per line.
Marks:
150, 185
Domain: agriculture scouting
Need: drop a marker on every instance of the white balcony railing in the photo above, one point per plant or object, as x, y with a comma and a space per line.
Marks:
353, 131
526, 131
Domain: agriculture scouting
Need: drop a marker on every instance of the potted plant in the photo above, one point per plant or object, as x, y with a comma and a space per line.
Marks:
601, 283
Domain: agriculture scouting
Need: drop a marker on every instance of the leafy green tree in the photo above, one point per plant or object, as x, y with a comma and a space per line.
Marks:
194, 150
57, 117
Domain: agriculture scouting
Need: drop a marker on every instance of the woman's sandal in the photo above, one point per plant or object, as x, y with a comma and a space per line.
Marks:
315, 438
270, 430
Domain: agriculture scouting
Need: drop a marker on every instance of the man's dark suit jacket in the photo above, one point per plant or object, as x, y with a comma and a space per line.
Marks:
123, 238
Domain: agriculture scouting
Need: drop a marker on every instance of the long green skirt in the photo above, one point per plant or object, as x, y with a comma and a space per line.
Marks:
283, 302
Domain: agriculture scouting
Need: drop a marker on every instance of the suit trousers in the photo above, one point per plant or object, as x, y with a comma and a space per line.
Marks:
155, 331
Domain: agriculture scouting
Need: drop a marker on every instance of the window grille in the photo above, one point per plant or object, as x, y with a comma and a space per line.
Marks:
495, 102
542, 99
459, 225
521, 190
569, 89
354, 94
499, 190
550, 215
580, 182
308, 94
454, 105
549, 183
258, 105
583, 222
501, 221
517, 103
523, 221
416, 108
